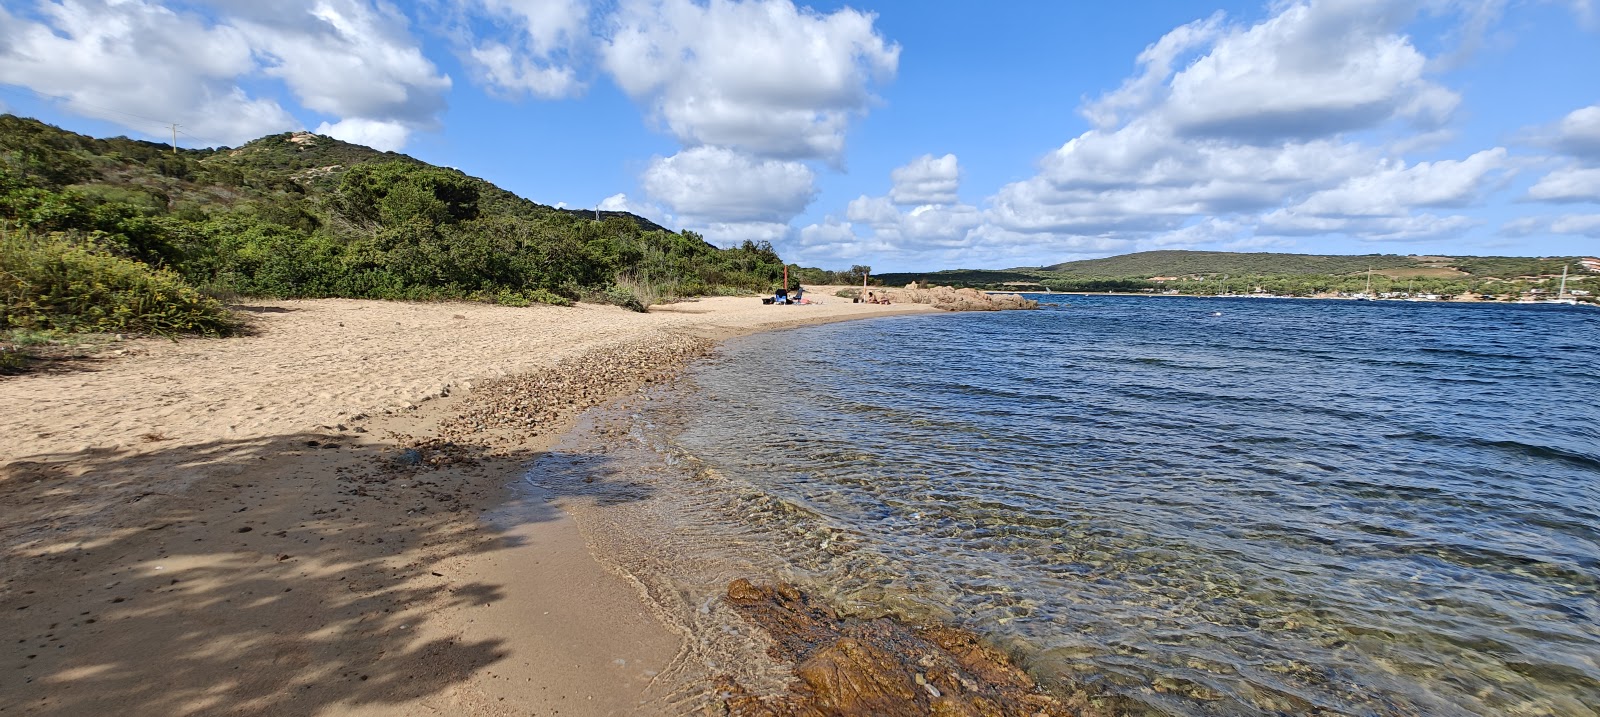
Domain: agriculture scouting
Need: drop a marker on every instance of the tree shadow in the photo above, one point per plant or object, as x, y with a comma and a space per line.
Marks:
280, 575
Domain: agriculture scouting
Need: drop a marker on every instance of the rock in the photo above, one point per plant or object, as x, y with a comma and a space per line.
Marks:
850, 677
848, 667
952, 299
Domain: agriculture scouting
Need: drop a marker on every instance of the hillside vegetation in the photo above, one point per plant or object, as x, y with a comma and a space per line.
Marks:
1212, 272
123, 235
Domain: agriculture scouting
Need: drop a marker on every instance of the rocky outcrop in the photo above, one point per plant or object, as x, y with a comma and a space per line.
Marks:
952, 299
879, 667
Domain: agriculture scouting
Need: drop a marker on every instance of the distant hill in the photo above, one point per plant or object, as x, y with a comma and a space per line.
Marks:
1176, 263
1184, 263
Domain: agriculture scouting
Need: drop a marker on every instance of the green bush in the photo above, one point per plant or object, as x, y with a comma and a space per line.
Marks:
11, 359
57, 283
622, 296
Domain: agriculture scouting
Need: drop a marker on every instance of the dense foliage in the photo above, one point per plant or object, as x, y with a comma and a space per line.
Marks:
57, 284
300, 215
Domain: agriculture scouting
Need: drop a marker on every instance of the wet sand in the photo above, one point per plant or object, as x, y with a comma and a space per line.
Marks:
319, 519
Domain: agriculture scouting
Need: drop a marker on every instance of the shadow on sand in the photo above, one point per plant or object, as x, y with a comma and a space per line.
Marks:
285, 575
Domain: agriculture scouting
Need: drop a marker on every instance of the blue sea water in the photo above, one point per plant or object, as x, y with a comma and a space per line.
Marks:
1199, 506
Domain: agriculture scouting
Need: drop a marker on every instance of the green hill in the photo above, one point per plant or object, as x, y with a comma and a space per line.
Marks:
303, 215
1184, 263
1211, 264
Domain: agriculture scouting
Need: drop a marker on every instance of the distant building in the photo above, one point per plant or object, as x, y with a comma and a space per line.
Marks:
1590, 263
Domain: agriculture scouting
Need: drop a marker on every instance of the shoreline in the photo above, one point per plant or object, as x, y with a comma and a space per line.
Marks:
249, 539
1255, 296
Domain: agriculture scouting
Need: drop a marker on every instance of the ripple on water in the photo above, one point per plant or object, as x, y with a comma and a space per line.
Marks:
1295, 506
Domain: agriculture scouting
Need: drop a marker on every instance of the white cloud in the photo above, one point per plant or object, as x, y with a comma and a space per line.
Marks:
377, 134
761, 76
530, 46
926, 180
1289, 222
506, 72
1312, 70
113, 59
350, 59
1156, 65
1571, 184
1587, 225
1224, 127
621, 202
1578, 133
915, 230
1394, 189
713, 184
731, 233
1581, 224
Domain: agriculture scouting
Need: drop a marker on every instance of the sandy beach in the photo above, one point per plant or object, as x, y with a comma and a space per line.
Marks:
317, 519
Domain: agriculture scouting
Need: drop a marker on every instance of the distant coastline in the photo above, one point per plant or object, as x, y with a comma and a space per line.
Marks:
1456, 300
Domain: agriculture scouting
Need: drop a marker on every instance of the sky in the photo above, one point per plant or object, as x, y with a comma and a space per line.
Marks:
902, 135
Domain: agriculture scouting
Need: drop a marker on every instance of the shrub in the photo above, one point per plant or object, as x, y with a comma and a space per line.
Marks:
57, 283
622, 296
11, 359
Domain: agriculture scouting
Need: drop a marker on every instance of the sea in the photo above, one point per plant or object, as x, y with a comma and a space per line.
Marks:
1176, 505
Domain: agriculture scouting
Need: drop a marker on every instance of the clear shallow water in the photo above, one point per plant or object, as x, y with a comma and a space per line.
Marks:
1291, 507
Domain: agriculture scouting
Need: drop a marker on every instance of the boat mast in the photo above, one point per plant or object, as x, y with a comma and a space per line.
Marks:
1562, 292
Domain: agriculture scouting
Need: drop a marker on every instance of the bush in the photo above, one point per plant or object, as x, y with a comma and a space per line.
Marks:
11, 359
57, 283
618, 295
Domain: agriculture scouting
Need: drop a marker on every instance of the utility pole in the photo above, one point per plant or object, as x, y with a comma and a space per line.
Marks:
174, 138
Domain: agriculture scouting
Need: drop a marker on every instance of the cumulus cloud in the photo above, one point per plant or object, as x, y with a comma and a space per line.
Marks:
110, 60
350, 59
1155, 66
527, 46
714, 184
1578, 133
377, 134
761, 76
926, 180
1223, 127
1572, 184
1312, 70
1393, 189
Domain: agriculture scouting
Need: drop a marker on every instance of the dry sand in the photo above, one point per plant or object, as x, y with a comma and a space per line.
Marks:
233, 526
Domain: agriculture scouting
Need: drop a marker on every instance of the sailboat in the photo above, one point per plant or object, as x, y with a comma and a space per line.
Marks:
1366, 295
1561, 294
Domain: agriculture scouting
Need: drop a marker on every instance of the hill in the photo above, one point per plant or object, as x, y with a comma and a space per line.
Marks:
1212, 264
1209, 272
1184, 263
304, 215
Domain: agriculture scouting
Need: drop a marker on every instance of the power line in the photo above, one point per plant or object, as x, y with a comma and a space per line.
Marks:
73, 100
163, 124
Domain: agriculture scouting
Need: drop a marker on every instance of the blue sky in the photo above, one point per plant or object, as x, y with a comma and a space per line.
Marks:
904, 135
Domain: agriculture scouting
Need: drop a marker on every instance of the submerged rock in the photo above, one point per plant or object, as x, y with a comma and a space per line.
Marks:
849, 667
